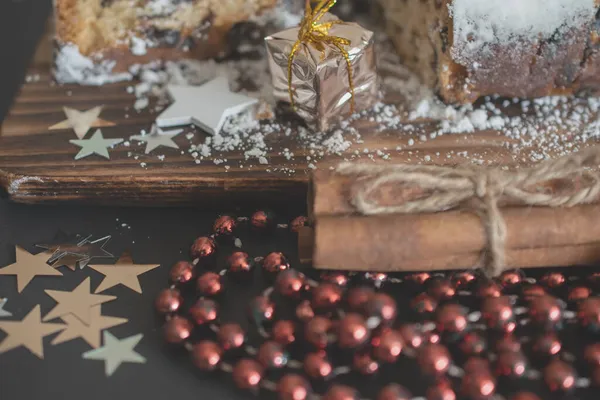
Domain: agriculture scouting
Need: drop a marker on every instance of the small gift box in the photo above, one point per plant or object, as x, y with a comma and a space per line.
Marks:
325, 68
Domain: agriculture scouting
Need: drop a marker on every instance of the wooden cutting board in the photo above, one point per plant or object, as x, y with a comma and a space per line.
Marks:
37, 165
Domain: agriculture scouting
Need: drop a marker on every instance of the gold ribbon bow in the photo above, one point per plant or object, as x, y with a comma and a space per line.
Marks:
317, 33
450, 187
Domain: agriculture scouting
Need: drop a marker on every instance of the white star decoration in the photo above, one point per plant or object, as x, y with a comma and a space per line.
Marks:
115, 352
3, 312
157, 138
95, 145
81, 121
205, 106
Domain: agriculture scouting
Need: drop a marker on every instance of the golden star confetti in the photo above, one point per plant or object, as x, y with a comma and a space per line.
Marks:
77, 302
116, 351
90, 333
29, 333
124, 272
28, 266
82, 121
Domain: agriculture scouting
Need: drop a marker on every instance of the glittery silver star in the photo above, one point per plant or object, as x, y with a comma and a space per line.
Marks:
158, 137
81, 121
115, 352
205, 106
95, 145
79, 253
3, 312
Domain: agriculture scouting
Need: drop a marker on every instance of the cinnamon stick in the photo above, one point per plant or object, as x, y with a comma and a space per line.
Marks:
585, 254
399, 241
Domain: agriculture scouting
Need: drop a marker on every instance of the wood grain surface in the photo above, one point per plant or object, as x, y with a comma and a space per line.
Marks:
37, 165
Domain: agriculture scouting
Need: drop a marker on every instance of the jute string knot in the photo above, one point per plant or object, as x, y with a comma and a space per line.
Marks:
479, 188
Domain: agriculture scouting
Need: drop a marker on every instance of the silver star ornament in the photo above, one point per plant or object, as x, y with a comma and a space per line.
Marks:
157, 138
95, 145
206, 106
116, 351
3, 312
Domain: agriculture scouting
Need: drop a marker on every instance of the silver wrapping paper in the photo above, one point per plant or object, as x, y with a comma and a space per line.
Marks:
320, 78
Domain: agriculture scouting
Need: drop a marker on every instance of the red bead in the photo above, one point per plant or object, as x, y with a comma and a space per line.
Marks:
261, 220
382, 306
352, 331
275, 262
247, 374
316, 331
317, 366
411, 337
441, 390
579, 293
431, 337
592, 355
524, 396
364, 363
418, 277
511, 364
290, 283
588, 313
325, 296
434, 359
284, 332
337, 278
304, 311
451, 319
547, 345
440, 289
204, 311
231, 336
509, 279
341, 392
488, 288
387, 346
545, 312
462, 280
559, 376
181, 272
177, 329
168, 301
204, 246
224, 225
531, 292
393, 391
293, 387
423, 304
507, 343
298, 223
377, 278
239, 262
261, 309
472, 344
476, 364
553, 280
497, 313
209, 284
272, 355
206, 355
478, 385
358, 297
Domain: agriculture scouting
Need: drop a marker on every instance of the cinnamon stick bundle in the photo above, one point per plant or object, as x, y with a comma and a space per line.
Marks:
343, 238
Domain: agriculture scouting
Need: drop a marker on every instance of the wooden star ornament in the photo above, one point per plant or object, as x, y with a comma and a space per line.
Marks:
28, 266
77, 302
82, 121
29, 333
90, 333
124, 272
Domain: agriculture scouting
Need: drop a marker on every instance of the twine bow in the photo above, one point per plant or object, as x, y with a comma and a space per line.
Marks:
317, 34
451, 187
